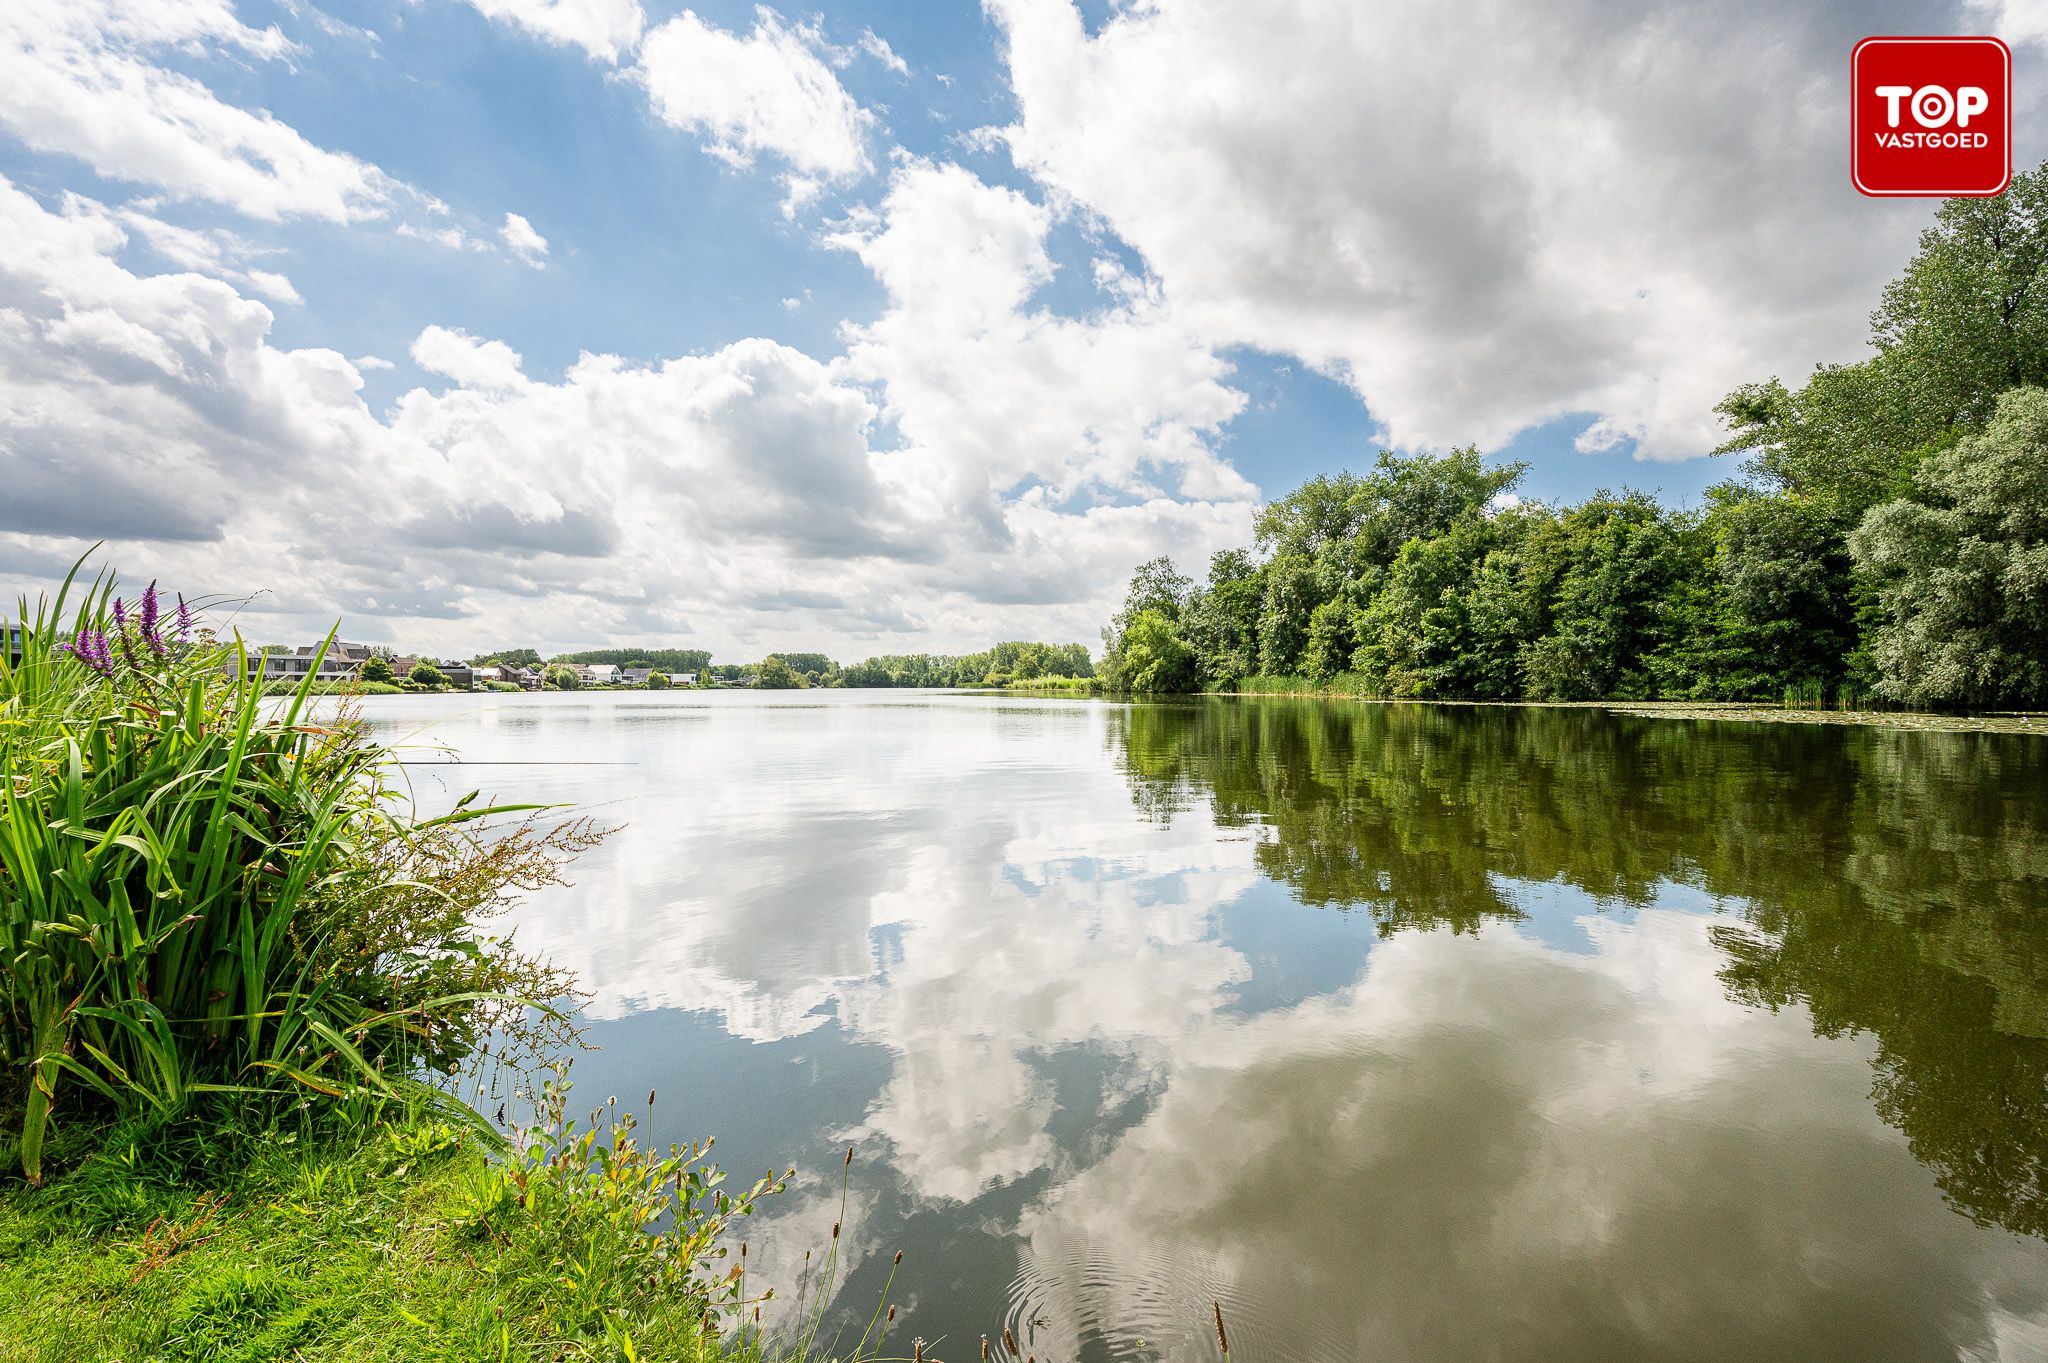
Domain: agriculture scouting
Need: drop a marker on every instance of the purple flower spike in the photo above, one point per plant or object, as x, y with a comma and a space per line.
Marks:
120, 613
149, 619
90, 648
184, 618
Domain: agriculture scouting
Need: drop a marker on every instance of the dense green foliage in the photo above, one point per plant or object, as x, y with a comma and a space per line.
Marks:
1888, 879
378, 1231
203, 893
426, 675
666, 659
561, 679
773, 674
377, 669
1962, 571
1887, 538
999, 666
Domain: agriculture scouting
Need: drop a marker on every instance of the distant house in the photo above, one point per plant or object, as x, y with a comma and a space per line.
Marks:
401, 668
601, 674
341, 663
460, 674
683, 678
13, 643
525, 678
634, 676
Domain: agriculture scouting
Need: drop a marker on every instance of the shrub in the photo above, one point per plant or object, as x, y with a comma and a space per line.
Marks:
426, 674
204, 892
1154, 657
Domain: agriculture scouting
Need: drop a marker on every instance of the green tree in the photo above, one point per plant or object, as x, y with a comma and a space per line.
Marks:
1967, 320
1970, 315
1614, 560
1155, 659
1222, 620
667, 659
1417, 638
1785, 565
426, 674
810, 664
508, 657
1962, 573
562, 679
376, 669
1156, 586
1331, 640
657, 680
774, 674
1322, 514
1293, 590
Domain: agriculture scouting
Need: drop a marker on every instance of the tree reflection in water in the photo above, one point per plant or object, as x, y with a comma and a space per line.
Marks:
1893, 882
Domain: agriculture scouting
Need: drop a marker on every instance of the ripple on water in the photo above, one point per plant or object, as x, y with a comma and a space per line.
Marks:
1150, 1306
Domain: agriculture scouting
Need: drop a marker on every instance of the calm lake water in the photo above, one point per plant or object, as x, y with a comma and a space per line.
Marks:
1407, 1033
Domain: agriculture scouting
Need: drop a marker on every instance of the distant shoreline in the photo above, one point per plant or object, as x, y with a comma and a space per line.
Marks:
1747, 712
1742, 712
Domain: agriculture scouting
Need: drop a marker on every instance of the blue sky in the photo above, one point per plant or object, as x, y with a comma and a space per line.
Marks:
872, 325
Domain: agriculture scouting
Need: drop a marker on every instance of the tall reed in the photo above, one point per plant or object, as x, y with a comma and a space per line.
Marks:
179, 860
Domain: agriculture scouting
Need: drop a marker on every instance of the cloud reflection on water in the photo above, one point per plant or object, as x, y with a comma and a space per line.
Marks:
1480, 1146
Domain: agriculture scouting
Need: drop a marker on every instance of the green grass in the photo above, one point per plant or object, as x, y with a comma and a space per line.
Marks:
395, 1237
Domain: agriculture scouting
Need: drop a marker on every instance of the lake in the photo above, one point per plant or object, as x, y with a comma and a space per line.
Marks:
1403, 1032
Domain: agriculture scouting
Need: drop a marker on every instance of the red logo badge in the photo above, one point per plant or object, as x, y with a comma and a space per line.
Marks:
1931, 117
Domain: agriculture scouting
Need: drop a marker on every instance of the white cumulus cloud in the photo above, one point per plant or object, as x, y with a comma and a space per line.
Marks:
1479, 223
992, 389
606, 29
80, 78
732, 494
771, 93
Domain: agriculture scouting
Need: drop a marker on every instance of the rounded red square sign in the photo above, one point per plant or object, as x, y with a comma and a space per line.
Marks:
1931, 117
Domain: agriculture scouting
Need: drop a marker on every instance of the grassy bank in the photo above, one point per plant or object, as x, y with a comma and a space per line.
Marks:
1056, 686
1350, 686
372, 1230
231, 953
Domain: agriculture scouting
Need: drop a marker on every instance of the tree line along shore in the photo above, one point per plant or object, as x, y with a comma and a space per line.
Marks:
1885, 540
